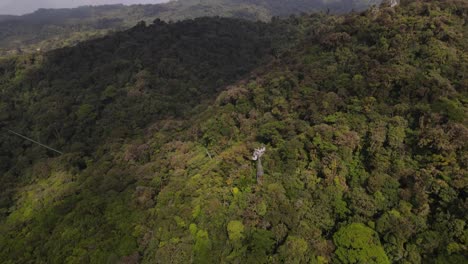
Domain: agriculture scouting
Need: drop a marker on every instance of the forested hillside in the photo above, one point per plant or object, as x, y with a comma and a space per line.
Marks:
48, 29
363, 117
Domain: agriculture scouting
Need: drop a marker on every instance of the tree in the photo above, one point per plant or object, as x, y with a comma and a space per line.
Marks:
202, 247
294, 250
357, 243
257, 156
235, 231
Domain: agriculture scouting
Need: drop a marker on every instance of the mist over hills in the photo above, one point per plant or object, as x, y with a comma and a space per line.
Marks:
363, 117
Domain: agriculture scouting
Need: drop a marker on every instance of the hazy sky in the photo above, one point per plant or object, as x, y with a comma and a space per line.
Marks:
19, 7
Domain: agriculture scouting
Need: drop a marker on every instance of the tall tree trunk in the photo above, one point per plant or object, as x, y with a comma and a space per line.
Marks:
259, 171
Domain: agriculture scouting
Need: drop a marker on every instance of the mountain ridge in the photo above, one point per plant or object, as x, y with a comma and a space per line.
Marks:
48, 29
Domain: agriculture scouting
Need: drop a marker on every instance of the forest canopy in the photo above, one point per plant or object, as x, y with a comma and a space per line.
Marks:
363, 117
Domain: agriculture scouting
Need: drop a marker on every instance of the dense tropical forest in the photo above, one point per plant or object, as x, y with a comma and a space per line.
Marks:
48, 29
363, 117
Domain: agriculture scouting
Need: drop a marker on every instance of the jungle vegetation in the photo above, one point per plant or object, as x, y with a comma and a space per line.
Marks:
363, 117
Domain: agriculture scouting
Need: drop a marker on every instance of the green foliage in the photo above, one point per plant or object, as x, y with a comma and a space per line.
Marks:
357, 243
85, 111
294, 250
261, 245
235, 231
202, 247
452, 109
362, 115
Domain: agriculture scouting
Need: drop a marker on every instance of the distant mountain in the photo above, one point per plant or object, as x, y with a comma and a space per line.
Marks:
6, 17
19, 7
47, 29
2, 17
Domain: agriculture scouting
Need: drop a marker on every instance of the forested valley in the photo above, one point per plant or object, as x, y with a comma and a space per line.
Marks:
363, 117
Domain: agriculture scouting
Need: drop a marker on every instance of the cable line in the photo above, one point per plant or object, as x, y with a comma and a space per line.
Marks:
34, 141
